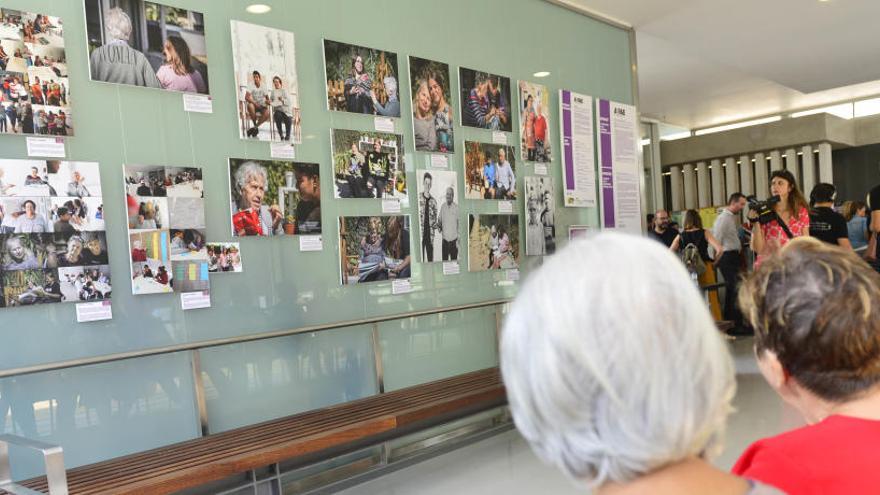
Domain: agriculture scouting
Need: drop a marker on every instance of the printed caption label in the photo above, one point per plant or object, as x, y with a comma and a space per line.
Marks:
94, 311
451, 268
513, 275
197, 103
390, 206
195, 300
439, 161
384, 124
283, 151
505, 207
50, 147
401, 286
311, 243
540, 169
499, 137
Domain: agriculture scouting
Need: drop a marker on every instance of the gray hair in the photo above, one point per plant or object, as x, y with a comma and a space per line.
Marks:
618, 370
249, 170
117, 24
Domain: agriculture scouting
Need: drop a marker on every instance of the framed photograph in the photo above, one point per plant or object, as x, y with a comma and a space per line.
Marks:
578, 231
540, 216
490, 171
374, 248
439, 218
493, 242
485, 100
534, 133
264, 60
433, 114
224, 257
368, 164
147, 44
274, 197
361, 80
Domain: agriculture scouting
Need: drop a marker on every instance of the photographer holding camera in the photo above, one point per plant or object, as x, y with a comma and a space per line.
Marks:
781, 218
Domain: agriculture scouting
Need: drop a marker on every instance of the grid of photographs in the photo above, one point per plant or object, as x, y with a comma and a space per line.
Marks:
534, 133
493, 242
485, 100
433, 115
166, 229
439, 219
147, 44
374, 248
224, 257
540, 216
361, 80
274, 197
490, 171
368, 164
53, 246
35, 91
264, 60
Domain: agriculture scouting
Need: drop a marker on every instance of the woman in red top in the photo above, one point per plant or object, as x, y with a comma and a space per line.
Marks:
792, 209
815, 309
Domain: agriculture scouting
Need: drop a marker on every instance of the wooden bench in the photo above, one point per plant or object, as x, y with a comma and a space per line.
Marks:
322, 433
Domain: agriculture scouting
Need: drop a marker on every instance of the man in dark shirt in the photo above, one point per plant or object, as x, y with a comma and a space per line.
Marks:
378, 165
661, 231
826, 224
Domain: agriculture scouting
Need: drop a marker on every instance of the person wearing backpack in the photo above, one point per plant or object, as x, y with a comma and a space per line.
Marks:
693, 245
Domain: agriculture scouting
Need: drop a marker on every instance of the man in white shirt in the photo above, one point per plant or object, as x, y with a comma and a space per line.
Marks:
258, 104
449, 227
505, 179
726, 230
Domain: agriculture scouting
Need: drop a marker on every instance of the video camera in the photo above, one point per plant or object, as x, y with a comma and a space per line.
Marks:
764, 208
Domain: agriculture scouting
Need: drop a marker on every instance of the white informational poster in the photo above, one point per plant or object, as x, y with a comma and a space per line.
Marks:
578, 163
619, 166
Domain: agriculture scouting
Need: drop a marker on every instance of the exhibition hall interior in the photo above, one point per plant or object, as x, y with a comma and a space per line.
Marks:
409, 247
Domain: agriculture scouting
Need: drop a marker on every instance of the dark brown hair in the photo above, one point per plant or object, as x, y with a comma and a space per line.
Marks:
813, 305
796, 199
692, 220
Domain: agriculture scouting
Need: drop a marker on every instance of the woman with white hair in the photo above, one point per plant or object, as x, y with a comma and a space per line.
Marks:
116, 61
618, 376
250, 182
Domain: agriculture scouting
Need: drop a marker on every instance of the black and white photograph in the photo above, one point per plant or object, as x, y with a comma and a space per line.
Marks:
439, 217
540, 208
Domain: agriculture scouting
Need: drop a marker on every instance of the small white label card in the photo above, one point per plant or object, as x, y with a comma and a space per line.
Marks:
400, 286
439, 161
384, 124
505, 207
311, 243
197, 103
540, 169
451, 268
513, 275
390, 206
499, 137
195, 300
94, 311
51, 147
283, 151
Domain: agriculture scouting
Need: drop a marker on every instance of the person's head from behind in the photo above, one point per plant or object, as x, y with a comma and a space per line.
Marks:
815, 309
661, 220
692, 220
117, 24
636, 384
854, 209
736, 202
784, 185
823, 194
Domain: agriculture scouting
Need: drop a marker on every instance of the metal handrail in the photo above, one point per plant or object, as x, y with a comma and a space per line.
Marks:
53, 457
191, 346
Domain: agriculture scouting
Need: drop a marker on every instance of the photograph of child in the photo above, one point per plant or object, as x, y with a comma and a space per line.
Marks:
540, 216
224, 257
439, 219
493, 242
274, 197
485, 100
374, 248
431, 105
361, 80
490, 171
147, 44
534, 134
368, 164
150, 262
264, 60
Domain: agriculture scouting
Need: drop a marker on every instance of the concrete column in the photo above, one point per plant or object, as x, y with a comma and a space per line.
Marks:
826, 172
791, 163
717, 171
747, 178
809, 173
775, 161
762, 177
676, 189
704, 196
731, 175
690, 186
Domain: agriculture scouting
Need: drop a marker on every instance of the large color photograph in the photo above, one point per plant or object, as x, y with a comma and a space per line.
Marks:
534, 134
361, 80
374, 248
34, 84
490, 171
431, 105
540, 216
368, 164
485, 100
147, 44
264, 60
439, 219
274, 197
493, 242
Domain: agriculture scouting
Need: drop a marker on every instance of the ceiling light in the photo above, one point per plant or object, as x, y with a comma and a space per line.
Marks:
258, 8
542, 73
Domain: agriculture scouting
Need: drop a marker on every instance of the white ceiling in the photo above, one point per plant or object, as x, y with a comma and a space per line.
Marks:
705, 62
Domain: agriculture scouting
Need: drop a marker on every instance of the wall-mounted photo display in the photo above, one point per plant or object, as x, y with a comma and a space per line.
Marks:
53, 246
374, 248
166, 228
490, 171
433, 115
368, 164
439, 219
274, 197
485, 100
264, 60
147, 44
540, 216
534, 134
34, 84
224, 257
493, 242
361, 80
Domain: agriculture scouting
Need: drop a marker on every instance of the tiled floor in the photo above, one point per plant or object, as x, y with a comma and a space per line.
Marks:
504, 463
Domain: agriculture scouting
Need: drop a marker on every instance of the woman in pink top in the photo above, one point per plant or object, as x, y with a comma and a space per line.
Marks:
791, 210
177, 73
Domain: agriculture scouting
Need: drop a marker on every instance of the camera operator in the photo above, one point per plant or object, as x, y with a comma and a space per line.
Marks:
785, 216
826, 224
